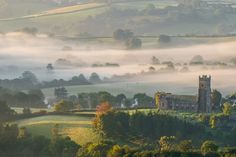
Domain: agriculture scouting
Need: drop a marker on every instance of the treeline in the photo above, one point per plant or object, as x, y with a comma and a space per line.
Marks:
28, 80
19, 142
165, 147
75, 80
148, 126
34, 98
91, 100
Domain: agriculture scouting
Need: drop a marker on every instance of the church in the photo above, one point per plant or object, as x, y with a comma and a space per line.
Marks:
201, 103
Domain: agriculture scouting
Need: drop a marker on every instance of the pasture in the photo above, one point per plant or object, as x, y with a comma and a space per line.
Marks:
78, 128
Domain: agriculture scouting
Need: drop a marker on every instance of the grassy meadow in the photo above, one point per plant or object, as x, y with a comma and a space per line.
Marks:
78, 128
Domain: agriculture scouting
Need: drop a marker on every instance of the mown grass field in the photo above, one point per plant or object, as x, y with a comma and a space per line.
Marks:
44, 21
56, 11
74, 8
78, 128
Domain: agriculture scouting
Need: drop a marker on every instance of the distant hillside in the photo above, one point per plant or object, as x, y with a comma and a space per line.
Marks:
103, 17
13, 8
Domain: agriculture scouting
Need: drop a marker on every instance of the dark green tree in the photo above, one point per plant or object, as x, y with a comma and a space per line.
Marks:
94, 78
122, 35
29, 76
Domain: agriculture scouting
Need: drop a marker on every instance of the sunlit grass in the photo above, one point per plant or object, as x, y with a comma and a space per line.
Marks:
73, 8
76, 127
81, 135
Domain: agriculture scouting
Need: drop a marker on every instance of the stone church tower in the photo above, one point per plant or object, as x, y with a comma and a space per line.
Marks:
204, 94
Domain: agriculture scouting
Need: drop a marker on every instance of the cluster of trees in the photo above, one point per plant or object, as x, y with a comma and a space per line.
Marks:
91, 100
164, 147
148, 126
28, 80
171, 132
34, 98
165, 19
5, 111
75, 80
221, 124
8, 114
64, 106
16, 141
127, 37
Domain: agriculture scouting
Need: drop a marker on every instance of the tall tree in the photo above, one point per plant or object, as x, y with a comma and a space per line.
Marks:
94, 78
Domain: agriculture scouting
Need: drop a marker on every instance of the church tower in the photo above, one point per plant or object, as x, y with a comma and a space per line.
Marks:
204, 94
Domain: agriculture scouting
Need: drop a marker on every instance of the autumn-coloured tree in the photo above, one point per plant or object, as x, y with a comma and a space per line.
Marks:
101, 109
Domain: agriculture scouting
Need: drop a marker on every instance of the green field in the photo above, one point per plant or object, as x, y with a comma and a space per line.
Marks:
77, 127
48, 20
58, 11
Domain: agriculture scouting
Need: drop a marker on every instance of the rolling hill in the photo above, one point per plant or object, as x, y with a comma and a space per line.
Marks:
142, 17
